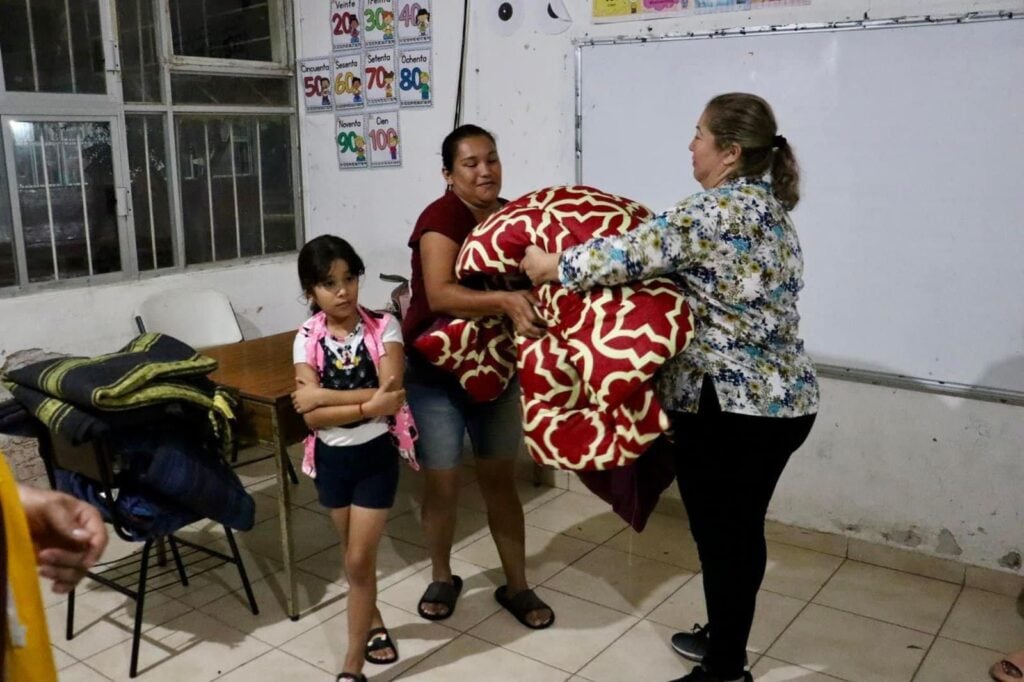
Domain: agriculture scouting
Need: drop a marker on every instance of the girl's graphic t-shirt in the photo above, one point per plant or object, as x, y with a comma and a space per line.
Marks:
348, 366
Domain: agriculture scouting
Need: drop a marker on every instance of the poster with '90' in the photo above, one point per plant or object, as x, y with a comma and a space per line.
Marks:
350, 139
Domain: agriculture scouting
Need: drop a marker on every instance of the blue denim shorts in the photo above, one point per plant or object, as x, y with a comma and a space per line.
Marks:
444, 413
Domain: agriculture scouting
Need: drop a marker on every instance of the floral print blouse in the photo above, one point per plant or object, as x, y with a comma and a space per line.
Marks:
735, 254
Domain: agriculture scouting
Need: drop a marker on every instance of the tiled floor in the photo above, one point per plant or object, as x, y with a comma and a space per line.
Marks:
619, 596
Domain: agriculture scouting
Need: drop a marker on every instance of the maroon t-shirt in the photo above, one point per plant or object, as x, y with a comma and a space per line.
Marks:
447, 216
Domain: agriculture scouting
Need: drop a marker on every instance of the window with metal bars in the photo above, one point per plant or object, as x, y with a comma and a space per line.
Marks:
165, 160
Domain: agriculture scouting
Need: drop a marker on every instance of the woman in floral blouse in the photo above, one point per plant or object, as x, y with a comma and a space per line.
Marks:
743, 396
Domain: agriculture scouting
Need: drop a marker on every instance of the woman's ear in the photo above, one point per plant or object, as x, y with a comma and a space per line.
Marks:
733, 154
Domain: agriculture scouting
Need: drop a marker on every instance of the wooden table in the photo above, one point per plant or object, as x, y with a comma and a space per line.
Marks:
262, 372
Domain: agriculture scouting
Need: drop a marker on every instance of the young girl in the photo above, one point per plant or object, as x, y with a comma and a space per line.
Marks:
348, 370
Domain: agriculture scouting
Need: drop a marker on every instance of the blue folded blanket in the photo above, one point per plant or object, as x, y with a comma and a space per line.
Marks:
168, 476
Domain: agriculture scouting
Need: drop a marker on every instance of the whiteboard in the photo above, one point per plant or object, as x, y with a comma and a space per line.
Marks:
911, 145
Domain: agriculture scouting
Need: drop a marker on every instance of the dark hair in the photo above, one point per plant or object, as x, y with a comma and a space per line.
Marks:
317, 257
421, 12
748, 121
451, 142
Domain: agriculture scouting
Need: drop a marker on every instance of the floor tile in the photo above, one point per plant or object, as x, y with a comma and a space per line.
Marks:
773, 613
476, 602
950, 661
893, 596
624, 582
985, 619
224, 579
278, 666
301, 493
666, 538
797, 572
770, 670
193, 647
546, 553
643, 653
61, 659
470, 525
836, 643
324, 645
581, 631
396, 560
311, 533
80, 672
531, 496
468, 659
580, 516
104, 617
319, 601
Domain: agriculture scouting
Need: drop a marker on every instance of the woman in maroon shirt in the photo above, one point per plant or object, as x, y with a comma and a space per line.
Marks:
444, 412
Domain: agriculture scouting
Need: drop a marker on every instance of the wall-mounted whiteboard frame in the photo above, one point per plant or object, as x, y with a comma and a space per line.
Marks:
905, 136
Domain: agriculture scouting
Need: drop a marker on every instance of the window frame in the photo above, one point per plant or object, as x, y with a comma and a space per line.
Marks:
113, 107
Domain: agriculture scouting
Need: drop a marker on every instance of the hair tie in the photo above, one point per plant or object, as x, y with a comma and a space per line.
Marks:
779, 142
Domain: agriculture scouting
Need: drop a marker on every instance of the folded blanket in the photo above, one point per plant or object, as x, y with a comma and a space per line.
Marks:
174, 462
588, 398
144, 515
68, 394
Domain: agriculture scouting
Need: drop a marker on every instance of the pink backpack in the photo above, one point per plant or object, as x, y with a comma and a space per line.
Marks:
401, 425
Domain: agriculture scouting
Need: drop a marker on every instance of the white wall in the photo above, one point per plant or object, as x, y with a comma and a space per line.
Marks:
936, 474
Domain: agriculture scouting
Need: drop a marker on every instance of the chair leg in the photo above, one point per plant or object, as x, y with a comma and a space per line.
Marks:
161, 552
177, 560
69, 627
241, 570
291, 471
140, 599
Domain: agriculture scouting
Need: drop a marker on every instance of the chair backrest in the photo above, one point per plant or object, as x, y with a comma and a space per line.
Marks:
199, 317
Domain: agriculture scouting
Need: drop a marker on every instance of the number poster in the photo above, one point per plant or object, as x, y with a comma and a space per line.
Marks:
350, 138
414, 21
414, 78
348, 81
315, 79
380, 83
381, 61
379, 22
384, 139
345, 26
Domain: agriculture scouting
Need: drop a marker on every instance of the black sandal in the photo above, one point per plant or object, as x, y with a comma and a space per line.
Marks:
443, 593
522, 604
355, 677
376, 640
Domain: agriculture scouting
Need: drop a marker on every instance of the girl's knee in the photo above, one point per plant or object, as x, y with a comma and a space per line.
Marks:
359, 567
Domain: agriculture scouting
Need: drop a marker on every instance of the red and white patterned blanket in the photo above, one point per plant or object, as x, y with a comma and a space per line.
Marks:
588, 401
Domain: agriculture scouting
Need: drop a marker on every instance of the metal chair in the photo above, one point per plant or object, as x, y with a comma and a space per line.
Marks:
96, 463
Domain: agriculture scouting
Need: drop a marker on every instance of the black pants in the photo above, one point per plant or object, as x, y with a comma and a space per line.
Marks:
727, 466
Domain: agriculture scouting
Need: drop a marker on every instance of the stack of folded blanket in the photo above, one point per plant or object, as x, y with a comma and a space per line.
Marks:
167, 424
